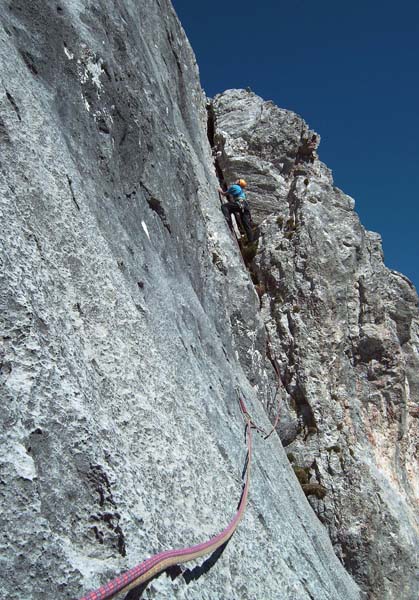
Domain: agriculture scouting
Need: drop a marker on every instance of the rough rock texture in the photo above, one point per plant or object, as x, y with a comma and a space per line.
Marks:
345, 332
127, 319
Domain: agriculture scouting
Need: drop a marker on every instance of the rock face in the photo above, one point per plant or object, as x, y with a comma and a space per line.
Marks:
345, 332
127, 321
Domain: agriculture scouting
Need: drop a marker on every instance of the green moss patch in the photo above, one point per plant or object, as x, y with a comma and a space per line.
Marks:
302, 474
314, 489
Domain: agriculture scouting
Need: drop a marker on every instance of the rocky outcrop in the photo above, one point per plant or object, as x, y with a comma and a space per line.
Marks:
344, 330
127, 321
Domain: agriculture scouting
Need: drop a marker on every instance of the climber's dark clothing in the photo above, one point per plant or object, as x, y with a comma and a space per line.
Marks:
241, 208
306, 151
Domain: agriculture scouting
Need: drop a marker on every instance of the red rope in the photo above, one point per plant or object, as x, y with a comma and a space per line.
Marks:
162, 561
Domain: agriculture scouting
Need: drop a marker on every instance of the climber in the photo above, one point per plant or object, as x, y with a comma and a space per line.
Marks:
306, 151
238, 205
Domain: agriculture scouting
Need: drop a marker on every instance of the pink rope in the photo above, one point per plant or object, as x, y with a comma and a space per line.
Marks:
160, 562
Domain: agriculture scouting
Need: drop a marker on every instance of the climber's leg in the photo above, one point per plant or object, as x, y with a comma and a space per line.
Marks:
228, 208
247, 224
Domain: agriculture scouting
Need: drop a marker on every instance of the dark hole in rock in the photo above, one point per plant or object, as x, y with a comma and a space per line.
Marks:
103, 126
14, 105
29, 61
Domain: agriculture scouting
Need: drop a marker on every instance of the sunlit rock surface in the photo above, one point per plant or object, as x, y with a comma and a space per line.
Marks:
127, 320
345, 332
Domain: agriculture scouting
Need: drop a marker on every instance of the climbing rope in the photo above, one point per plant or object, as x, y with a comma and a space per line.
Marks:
163, 561
279, 383
252, 423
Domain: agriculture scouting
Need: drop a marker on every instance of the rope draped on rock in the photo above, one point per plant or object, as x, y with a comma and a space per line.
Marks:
164, 561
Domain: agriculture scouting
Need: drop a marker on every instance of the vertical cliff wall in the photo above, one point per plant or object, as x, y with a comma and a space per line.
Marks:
127, 320
345, 330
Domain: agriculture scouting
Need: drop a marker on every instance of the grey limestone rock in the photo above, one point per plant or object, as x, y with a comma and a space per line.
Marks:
127, 320
344, 330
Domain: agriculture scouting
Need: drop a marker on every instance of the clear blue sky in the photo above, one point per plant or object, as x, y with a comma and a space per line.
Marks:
351, 70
